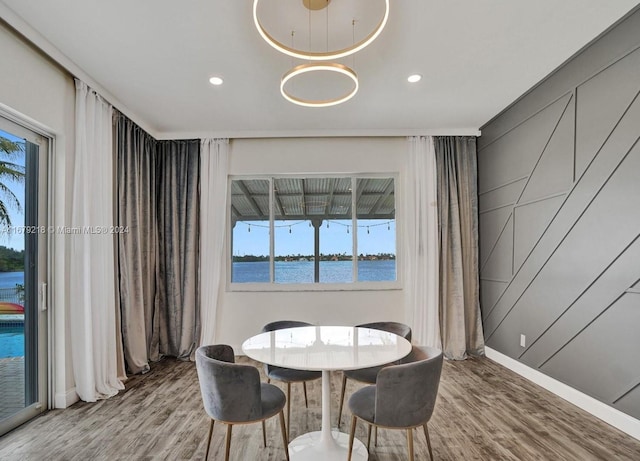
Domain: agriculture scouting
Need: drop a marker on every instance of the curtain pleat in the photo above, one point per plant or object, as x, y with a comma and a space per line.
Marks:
94, 346
460, 318
178, 170
137, 247
214, 158
421, 242
158, 255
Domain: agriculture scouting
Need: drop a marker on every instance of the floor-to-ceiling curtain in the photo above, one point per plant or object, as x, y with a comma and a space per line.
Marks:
92, 300
158, 254
178, 268
214, 161
138, 246
460, 318
421, 242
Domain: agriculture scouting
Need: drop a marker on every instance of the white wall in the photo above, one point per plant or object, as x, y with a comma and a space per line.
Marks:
242, 314
35, 88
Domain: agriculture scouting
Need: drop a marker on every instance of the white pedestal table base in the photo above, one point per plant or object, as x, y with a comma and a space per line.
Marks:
327, 444
309, 447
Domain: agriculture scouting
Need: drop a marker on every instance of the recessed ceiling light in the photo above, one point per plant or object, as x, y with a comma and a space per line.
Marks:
215, 81
414, 78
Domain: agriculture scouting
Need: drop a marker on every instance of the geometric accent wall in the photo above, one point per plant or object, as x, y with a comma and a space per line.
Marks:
559, 190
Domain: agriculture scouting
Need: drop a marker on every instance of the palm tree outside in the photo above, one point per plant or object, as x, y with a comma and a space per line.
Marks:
9, 172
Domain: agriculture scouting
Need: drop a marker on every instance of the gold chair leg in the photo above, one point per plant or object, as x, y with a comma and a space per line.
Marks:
369, 437
264, 434
206, 456
352, 433
410, 442
304, 386
283, 429
228, 445
426, 434
288, 411
344, 387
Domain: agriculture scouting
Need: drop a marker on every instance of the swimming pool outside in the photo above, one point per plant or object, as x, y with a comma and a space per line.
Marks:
11, 325
11, 339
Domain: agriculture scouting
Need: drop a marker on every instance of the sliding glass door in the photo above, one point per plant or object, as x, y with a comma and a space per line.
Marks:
23, 264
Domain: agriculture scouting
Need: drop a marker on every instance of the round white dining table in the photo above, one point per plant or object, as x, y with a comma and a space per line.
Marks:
326, 348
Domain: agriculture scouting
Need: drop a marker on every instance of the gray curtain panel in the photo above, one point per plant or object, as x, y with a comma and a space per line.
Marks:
460, 318
158, 206
137, 247
178, 176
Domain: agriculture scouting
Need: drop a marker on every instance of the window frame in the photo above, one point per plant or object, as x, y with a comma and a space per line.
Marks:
355, 284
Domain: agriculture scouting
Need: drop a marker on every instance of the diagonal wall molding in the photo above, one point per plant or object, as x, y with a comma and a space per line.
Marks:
620, 142
574, 285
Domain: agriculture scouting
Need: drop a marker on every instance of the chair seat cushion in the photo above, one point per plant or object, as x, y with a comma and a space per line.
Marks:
273, 399
291, 376
364, 375
362, 403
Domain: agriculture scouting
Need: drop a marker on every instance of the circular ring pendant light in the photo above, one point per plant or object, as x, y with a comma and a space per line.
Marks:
319, 56
316, 67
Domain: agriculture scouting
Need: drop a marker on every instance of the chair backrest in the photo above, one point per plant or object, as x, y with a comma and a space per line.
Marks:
282, 324
397, 328
406, 393
230, 391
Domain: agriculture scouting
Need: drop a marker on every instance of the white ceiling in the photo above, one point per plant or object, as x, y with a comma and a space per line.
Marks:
153, 59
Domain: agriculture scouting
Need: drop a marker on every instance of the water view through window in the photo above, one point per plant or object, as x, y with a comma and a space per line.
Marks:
315, 235
303, 271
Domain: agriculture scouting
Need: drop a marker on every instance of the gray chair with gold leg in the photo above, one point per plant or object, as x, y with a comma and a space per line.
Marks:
233, 394
287, 375
403, 397
368, 375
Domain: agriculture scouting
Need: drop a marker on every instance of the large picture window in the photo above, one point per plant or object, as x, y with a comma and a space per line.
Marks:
313, 230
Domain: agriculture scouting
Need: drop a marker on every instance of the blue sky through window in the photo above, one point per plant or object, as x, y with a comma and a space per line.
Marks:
380, 238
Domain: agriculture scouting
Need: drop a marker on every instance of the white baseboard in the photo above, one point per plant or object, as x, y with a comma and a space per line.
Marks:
66, 399
600, 410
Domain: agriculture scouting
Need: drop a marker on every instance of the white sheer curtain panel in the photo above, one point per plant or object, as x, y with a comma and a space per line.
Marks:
92, 269
421, 242
214, 168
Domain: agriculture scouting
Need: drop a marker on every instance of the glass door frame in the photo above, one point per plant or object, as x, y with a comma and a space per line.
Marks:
37, 240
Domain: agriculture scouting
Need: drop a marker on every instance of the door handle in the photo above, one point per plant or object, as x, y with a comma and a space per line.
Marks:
44, 297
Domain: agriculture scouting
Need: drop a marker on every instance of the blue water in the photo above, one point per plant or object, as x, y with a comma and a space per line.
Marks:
11, 342
302, 271
11, 338
9, 279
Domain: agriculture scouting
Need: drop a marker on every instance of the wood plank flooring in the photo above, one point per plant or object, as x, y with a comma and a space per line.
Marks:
484, 412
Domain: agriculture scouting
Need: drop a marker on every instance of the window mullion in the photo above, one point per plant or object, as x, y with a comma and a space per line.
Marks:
271, 232
354, 226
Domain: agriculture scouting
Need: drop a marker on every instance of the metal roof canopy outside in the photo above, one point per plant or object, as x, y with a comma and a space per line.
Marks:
312, 199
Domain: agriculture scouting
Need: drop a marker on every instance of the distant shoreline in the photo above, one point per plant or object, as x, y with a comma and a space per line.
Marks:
323, 257
302, 271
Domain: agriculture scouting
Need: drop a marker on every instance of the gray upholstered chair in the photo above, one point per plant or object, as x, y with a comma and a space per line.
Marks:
288, 375
368, 375
233, 394
403, 397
